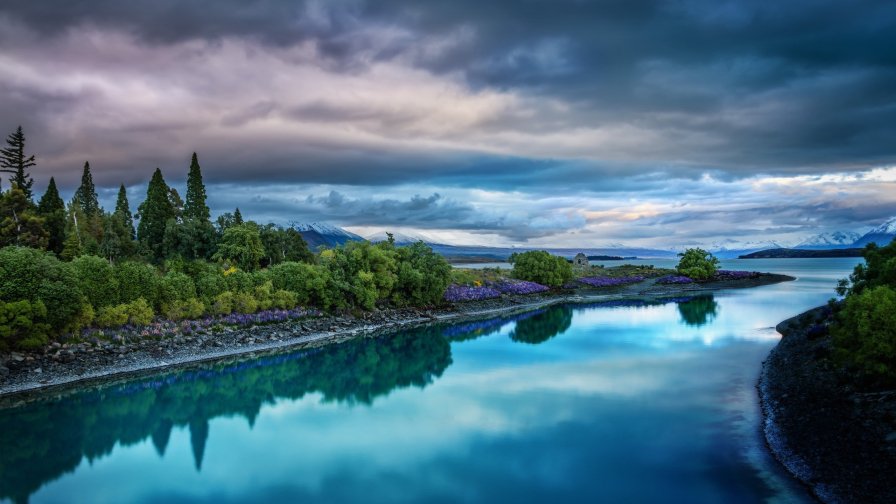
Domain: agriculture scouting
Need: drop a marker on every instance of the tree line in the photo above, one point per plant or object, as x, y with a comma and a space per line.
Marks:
66, 267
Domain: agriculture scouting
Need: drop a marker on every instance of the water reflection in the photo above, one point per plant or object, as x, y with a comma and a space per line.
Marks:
543, 326
698, 311
42, 440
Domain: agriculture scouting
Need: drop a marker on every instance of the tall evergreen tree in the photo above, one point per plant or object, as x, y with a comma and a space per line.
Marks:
18, 223
195, 207
123, 213
52, 209
85, 196
237, 217
14, 161
154, 213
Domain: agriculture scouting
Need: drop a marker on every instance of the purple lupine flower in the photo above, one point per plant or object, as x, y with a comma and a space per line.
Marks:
458, 293
513, 286
602, 281
734, 274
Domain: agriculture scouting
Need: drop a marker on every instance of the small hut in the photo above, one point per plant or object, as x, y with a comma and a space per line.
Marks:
581, 261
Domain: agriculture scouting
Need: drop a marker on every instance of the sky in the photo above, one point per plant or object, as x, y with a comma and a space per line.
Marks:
527, 122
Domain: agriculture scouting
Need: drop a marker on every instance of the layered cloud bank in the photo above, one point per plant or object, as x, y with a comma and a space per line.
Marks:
495, 122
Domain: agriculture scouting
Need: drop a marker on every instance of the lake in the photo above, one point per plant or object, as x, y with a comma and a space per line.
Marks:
613, 402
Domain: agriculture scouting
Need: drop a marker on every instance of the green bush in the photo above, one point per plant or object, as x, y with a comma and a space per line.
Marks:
243, 302
137, 312
264, 295
175, 287
864, 335
33, 275
241, 246
284, 299
210, 284
697, 264
187, 309
541, 267
111, 316
422, 276
23, 325
137, 280
96, 277
879, 268
309, 282
239, 281
222, 304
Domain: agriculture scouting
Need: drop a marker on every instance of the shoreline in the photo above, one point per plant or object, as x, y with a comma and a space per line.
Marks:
837, 441
43, 373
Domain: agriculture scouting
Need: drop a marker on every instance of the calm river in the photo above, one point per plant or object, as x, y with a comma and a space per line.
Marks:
598, 403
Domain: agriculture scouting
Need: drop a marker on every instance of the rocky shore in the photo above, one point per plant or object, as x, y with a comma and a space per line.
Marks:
839, 441
64, 365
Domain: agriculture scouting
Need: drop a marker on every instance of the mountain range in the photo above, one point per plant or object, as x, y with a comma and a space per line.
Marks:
321, 234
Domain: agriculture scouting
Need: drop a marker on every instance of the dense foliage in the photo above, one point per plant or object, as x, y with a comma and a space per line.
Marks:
697, 264
541, 267
66, 268
864, 332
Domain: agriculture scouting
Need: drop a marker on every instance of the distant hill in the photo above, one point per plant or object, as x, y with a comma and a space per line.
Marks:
882, 235
318, 234
789, 253
400, 238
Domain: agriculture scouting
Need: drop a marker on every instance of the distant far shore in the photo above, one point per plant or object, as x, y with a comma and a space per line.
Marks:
784, 253
58, 369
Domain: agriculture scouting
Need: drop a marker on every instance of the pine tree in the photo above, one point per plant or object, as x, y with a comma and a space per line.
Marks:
196, 207
154, 213
14, 161
237, 217
18, 223
123, 213
52, 209
85, 196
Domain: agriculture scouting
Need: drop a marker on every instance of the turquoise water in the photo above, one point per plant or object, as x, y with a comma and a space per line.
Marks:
600, 403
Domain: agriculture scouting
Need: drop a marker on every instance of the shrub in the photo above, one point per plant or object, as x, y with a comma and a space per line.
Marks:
97, 280
541, 267
33, 275
139, 312
209, 284
239, 281
243, 302
264, 295
137, 280
697, 264
23, 325
174, 288
223, 304
422, 276
241, 246
307, 281
285, 300
112, 316
864, 335
191, 308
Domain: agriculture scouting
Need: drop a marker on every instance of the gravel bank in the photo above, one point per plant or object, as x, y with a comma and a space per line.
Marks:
838, 441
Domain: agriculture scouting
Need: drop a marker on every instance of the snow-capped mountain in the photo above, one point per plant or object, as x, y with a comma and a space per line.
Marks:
837, 239
400, 238
320, 233
882, 235
733, 248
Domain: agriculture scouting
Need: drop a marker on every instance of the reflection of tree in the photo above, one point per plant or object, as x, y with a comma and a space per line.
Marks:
543, 326
698, 311
42, 440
